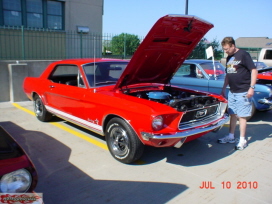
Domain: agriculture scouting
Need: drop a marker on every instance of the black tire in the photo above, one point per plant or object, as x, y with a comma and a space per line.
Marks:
40, 111
123, 143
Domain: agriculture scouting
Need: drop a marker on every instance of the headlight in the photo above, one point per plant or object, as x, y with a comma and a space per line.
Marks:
157, 123
17, 181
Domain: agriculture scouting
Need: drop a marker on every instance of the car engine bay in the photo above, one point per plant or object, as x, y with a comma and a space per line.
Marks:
177, 99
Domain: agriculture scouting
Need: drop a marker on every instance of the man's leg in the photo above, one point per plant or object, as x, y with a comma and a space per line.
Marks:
233, 122
230, 137
242, 124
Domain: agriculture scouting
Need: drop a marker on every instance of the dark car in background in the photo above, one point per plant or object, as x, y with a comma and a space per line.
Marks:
196, 74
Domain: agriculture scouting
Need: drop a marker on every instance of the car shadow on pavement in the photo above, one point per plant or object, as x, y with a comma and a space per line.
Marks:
62, 182
265, 116
206, 149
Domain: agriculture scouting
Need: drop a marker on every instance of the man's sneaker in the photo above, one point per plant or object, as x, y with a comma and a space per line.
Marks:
241, 145
226, 139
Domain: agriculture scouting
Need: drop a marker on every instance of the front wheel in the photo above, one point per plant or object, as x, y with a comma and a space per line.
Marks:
123, 143
40, 111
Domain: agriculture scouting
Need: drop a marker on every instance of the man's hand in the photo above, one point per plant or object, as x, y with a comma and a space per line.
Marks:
250, 92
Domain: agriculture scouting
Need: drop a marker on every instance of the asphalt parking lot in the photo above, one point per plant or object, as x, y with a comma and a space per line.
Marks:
74, 165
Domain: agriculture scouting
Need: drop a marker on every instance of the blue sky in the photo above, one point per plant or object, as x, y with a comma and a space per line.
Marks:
237, 18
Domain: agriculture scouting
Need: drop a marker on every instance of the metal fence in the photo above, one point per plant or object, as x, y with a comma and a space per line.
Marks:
33, 44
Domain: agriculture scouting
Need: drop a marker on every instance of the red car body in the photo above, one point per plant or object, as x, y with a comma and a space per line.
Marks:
265, 75
132, 102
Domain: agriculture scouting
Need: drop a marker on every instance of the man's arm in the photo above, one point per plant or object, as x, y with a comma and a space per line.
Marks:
254, 74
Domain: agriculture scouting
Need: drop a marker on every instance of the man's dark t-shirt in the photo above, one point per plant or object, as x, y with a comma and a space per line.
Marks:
238, 70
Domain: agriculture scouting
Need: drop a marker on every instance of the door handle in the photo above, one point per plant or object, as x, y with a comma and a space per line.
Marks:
51, 86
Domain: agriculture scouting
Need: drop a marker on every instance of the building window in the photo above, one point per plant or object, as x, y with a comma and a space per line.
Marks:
34, 13
54, 15
12, 12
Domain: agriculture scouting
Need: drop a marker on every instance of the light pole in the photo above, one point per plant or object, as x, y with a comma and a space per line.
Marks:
186, 7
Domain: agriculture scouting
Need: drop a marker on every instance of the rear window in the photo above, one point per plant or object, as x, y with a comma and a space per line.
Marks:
268, 54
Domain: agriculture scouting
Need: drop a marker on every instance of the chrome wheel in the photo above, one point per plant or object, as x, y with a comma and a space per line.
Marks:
38, 107
119, 142
40, 111
123, 143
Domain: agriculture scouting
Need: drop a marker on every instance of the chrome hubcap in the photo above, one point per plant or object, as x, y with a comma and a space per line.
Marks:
38, 108
119, 142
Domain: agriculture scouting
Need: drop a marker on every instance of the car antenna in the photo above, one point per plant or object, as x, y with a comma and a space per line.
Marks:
94, 62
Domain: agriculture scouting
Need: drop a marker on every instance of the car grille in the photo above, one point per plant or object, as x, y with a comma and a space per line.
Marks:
198, 116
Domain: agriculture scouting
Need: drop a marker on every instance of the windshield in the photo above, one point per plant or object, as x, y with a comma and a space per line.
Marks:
106, 73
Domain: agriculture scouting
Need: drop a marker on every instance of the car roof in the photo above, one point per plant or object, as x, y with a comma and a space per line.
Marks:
197, 61
88, 60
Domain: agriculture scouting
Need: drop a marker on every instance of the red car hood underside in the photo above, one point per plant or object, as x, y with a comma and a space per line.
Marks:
164, 49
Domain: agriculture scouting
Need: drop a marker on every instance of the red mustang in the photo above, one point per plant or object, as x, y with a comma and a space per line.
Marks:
132, 103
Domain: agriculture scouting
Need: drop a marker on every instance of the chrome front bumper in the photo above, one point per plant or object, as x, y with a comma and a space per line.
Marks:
265, 101
186, 133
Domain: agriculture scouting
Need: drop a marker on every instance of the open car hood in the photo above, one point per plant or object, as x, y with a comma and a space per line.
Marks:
164, 49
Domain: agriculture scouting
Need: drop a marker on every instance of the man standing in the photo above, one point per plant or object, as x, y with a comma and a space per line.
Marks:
241, 75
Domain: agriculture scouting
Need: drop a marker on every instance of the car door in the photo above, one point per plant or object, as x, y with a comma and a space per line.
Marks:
66, 92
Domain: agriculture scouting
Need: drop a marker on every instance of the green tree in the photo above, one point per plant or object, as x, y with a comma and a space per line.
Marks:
200, 50
124, 44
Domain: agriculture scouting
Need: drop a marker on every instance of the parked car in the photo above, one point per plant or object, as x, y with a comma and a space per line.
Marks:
265, 56
265, 76
131, 103
259, 65
17, 172
201, 80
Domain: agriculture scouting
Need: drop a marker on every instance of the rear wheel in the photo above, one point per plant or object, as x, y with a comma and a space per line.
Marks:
123, 143
40, 111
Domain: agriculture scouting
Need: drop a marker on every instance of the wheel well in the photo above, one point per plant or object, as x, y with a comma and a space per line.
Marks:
107, 119
33, 95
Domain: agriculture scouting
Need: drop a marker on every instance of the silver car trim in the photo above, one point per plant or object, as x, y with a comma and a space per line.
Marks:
186, 133
265, 101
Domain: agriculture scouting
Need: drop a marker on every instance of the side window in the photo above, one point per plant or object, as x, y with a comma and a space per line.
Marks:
192, 73
183, 70
67, 74
268, 54
187, 70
